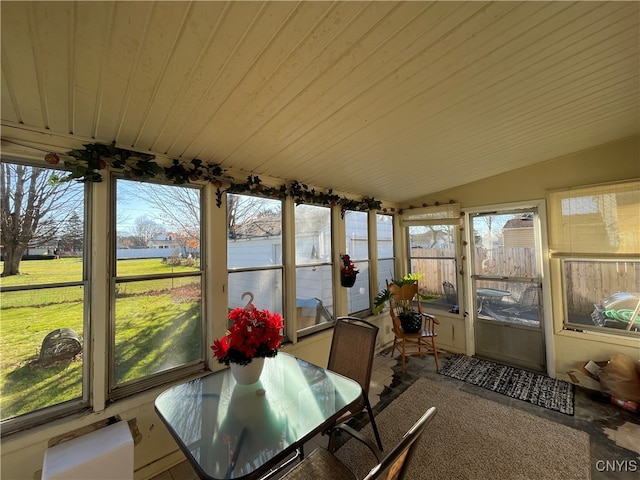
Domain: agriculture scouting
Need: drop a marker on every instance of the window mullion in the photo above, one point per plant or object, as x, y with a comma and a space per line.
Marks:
101, 306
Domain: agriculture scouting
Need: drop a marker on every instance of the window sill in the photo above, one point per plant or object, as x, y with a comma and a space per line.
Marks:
601, 337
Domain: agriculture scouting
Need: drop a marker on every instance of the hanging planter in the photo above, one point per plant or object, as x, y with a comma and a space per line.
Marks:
347, 280
348, 272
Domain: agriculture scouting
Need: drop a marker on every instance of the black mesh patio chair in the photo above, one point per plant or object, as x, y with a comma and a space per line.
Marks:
529, 297
450, 293
321, 464
528, 301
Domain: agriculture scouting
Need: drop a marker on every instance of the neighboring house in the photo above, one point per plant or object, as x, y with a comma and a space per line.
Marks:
257, 227
160, 246
164, 242
518, 232
46, 249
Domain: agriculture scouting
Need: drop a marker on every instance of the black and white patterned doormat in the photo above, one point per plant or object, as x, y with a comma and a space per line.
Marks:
531, 387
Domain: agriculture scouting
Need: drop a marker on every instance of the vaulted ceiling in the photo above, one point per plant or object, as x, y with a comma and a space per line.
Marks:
385, 99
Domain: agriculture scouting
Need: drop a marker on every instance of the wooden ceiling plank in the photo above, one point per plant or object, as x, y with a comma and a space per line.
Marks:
92, 28
256, 37
121, 56
8, 104
365, 108
186, 55
213, 73
166, 24
54, 55
18, 64
219, 131
408, 111
298, 43
396, 92
296, 114
524, 107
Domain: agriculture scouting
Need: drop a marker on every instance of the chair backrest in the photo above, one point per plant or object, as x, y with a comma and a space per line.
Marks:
529, 297
352, 350
450, 293
406, 295
394, 465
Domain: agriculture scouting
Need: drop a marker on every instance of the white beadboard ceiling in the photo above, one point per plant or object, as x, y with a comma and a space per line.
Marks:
393, 100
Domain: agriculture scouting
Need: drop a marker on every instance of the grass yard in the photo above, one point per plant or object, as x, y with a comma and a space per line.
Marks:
157, 327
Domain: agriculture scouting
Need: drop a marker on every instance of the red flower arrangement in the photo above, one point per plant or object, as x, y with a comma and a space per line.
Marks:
254, 333
348, 268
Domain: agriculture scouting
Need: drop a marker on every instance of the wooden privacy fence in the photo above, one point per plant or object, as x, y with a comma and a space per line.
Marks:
587, 282
440, 267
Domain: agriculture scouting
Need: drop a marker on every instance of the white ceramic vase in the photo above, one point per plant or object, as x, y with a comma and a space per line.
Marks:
247, 374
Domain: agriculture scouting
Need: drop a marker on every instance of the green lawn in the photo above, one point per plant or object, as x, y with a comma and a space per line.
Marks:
33, 272
157, 327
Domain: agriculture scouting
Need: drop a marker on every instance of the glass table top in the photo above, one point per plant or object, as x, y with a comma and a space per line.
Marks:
229, 430
492, 292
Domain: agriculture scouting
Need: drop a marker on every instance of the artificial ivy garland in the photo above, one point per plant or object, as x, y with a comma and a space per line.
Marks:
85, 166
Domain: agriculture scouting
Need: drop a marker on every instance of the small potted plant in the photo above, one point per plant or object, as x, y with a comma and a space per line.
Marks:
254, 335
348, 272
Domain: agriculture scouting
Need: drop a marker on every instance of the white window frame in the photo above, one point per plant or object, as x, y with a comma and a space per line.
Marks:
447, 214
119, 391
562, 251
46, 414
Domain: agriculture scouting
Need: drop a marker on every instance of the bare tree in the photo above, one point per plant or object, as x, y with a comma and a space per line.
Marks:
439, 235
177, 209
33, 208
146, 229
246, 210
430, 236
171, 208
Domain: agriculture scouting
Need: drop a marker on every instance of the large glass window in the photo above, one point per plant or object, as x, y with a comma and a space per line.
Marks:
314, 268
157, 289
594, 233
43, 300
386, 258
602, 293
505, 276
432, 253
432, 234
254, 252
357, 241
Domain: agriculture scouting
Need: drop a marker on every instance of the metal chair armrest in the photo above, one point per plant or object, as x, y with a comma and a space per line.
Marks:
361, 438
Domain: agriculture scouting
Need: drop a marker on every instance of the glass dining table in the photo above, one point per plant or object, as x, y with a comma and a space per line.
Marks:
228, 430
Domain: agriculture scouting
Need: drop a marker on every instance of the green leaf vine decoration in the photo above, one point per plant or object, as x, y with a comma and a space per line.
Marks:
85, 165
301, 193
254, 186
